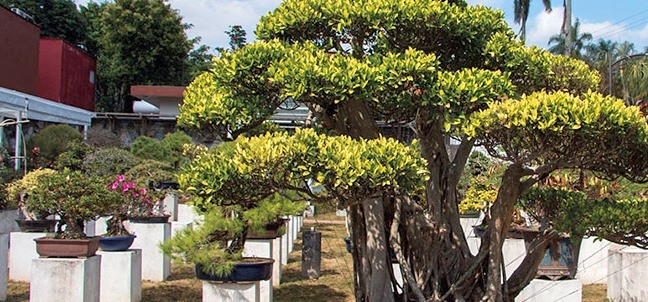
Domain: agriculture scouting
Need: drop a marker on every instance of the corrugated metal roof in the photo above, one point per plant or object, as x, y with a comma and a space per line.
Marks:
35, 108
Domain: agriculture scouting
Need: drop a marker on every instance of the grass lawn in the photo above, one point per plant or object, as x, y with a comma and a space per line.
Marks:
334, 284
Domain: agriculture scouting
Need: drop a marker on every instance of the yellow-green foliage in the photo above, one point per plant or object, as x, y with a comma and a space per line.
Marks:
26, 184
611, 136
257, 167
478, 197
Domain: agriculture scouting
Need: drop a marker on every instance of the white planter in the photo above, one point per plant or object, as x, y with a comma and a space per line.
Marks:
121, 276
65, 279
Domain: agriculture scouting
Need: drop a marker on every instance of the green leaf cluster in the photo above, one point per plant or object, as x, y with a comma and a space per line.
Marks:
592, 132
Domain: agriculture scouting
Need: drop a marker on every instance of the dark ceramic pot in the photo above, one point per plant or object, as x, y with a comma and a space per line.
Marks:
150, 219
249, 269
116, 243
67, 248
167, 185
271, 230
561, 256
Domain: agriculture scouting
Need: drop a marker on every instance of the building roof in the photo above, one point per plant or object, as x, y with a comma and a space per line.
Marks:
32, 107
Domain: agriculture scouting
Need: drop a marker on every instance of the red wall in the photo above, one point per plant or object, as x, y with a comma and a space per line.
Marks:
18, 52
66, 74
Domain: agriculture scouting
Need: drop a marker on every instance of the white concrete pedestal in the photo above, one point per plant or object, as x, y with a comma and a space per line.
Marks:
291, 235
546, 290
8, 222
284, 249
276, 266
121, 276
295, 228
156, 266
4, 268
230, 292
170, 203
593, 264
514, 251
65, 279
22, 252
467, 225
187, 213
100, 225
628, 267
262, 248
178, 226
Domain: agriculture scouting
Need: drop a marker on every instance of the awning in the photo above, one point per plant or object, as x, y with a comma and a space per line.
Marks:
35, 108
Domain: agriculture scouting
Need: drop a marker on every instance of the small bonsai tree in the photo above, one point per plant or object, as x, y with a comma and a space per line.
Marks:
73, 196
150, 173
146, 147
132, 198
73, 157
174, 144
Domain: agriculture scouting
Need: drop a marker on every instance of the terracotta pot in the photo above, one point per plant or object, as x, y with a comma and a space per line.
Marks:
67, 248
150, 219
248, 269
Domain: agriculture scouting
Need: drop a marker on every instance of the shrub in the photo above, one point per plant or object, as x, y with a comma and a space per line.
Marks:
19, 189
173, 143
108, 162
53, 140
146, 147
103, 138
151, 172
73, 157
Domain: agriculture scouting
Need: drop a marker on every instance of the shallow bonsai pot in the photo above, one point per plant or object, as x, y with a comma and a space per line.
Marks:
167, 185
67, 248
470, 214
36, 226
150, 219
116, 243
248, 269
561, 256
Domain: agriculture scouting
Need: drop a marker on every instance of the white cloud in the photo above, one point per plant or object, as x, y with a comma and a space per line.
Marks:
544, 25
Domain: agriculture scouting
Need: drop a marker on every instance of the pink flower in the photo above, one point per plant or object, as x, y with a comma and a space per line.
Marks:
143, 191
121, 178
114, 186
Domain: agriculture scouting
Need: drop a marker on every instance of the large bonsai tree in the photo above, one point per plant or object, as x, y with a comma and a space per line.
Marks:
446, 69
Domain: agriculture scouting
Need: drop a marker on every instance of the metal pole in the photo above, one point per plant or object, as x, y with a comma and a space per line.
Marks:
568, 28
18, 143
609, 55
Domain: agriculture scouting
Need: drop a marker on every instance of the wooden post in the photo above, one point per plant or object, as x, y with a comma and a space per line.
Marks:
311, 254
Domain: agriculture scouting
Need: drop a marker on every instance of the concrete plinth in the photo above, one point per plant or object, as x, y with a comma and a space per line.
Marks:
398, 276
100, 225
628, 267
291, 235
65, 279
178, 226
22, 252
187, 213
170, 203
284, 249
262, 248
4, 268
467, 225
230, 292
555, 291
276, 267
156, 266
592, 263
514, 252
8, 222
121, 276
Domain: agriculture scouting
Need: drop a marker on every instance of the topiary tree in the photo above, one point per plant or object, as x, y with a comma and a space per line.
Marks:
173, 144
146, 147
451, 71
109, 162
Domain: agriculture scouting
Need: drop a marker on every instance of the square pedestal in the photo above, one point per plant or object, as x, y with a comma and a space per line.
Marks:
546, 290
514, 252
295, 227
4, 268
262, 248
8, 222
291, 235
65, 279
178, 226
100, 225
628, 267
22, 252
284, 249
155, 265
171, 205
187, 213
467, 225
230, 292
593, 266
121, 276
276, 266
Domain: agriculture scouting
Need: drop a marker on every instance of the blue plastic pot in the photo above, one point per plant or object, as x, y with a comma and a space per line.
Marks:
251, 269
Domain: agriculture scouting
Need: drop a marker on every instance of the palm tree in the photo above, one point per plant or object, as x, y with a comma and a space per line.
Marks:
521, 13
578, 41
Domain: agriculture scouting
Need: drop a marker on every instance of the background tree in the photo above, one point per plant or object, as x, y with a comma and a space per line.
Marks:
578, 43
237, 37
446, 68
139, 42
56, 18
521, 14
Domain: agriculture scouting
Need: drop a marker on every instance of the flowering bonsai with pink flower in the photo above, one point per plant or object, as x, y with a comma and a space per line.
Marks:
137, 202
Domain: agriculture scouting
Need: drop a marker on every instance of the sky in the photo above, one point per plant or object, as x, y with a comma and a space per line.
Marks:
617, 20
